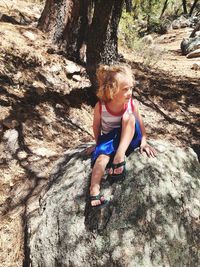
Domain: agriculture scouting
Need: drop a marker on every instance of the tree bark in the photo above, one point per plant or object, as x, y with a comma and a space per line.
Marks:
54, 18
66, 21
149, 15
102, 45
164, 8
184, 3
193, 7
129, 5
72, 23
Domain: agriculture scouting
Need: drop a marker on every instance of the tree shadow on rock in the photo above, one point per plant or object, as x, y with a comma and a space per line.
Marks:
96, 218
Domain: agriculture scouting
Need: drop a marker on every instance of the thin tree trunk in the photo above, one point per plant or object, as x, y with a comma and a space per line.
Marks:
102, 46
164, 8
129, 5
184, 3
149, 15
193, 7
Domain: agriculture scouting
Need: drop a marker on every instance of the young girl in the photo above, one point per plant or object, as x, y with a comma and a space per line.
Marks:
118, 128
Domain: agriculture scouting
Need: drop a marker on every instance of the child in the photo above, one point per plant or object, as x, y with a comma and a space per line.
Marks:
118, 128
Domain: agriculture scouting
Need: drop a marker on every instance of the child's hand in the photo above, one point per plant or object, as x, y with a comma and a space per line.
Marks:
150, 151
89, 150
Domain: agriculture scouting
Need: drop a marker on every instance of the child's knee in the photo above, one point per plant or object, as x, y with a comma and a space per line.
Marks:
103, 159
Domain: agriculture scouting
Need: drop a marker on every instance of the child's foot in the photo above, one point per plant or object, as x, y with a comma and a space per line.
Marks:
98, 201
95, 198
117, 166
117, 172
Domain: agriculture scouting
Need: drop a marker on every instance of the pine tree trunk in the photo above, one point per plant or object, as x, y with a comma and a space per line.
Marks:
149, 15
72, 23
55, 17
102, 45
184, 3
66, 21
164, 8
193, 7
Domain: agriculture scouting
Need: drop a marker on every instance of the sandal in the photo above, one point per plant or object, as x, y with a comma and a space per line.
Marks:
98, 197
117, 177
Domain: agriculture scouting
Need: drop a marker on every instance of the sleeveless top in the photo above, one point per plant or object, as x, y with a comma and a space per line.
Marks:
110, 120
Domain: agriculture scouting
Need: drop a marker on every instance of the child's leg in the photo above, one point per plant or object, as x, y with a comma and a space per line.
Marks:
97, 173
127, 133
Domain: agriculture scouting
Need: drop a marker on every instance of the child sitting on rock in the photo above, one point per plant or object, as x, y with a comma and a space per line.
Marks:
118, 128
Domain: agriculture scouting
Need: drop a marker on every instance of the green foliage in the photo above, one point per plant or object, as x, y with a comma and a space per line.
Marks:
149, 16
128, 30
134, 25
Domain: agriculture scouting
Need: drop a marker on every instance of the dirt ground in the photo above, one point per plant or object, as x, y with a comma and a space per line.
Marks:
43, 115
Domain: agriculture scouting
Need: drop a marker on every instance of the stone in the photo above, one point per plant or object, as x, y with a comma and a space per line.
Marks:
10, 123
195, 53
77, 78
30, 35
151, 220
197, 34
40, 87
72, 68
22, 155
55, 68
15, 18
190, 44
11, 139
195, 66
44, 152
148, 39
176, 24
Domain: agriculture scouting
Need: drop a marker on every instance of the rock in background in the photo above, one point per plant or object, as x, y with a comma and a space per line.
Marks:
152, 218
189, 45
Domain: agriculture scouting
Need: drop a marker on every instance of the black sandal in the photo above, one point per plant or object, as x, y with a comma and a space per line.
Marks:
98, 197
117, 177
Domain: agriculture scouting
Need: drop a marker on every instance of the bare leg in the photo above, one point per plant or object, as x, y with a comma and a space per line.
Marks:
127, 133
97, 173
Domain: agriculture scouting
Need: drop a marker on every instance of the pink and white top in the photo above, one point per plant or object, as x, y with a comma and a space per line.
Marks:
111, 120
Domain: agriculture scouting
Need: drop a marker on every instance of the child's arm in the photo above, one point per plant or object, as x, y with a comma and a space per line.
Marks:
144, 147
96, 122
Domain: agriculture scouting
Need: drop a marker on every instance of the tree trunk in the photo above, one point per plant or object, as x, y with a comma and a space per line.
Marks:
55, 17
72, 23
102, 45
184, 3
164, 8
193, 7
129, 5
149, 15
66, 21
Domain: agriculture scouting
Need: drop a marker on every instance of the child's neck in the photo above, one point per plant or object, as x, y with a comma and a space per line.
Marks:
116, 106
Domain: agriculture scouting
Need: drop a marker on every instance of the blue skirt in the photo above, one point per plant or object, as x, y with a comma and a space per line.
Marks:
108, 143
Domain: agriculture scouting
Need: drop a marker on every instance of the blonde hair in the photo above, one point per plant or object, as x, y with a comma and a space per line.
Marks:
108, 80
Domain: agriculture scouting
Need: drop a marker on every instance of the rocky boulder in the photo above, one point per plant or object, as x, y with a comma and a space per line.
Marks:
194, 54
152, 219
189, 45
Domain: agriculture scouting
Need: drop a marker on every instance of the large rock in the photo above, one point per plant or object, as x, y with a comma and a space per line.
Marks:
152, 219
195, 53
190, 44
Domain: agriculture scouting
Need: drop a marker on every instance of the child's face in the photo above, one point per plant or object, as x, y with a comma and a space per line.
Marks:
125, 90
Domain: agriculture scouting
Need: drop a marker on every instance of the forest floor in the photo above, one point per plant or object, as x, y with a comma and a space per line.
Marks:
45, 110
